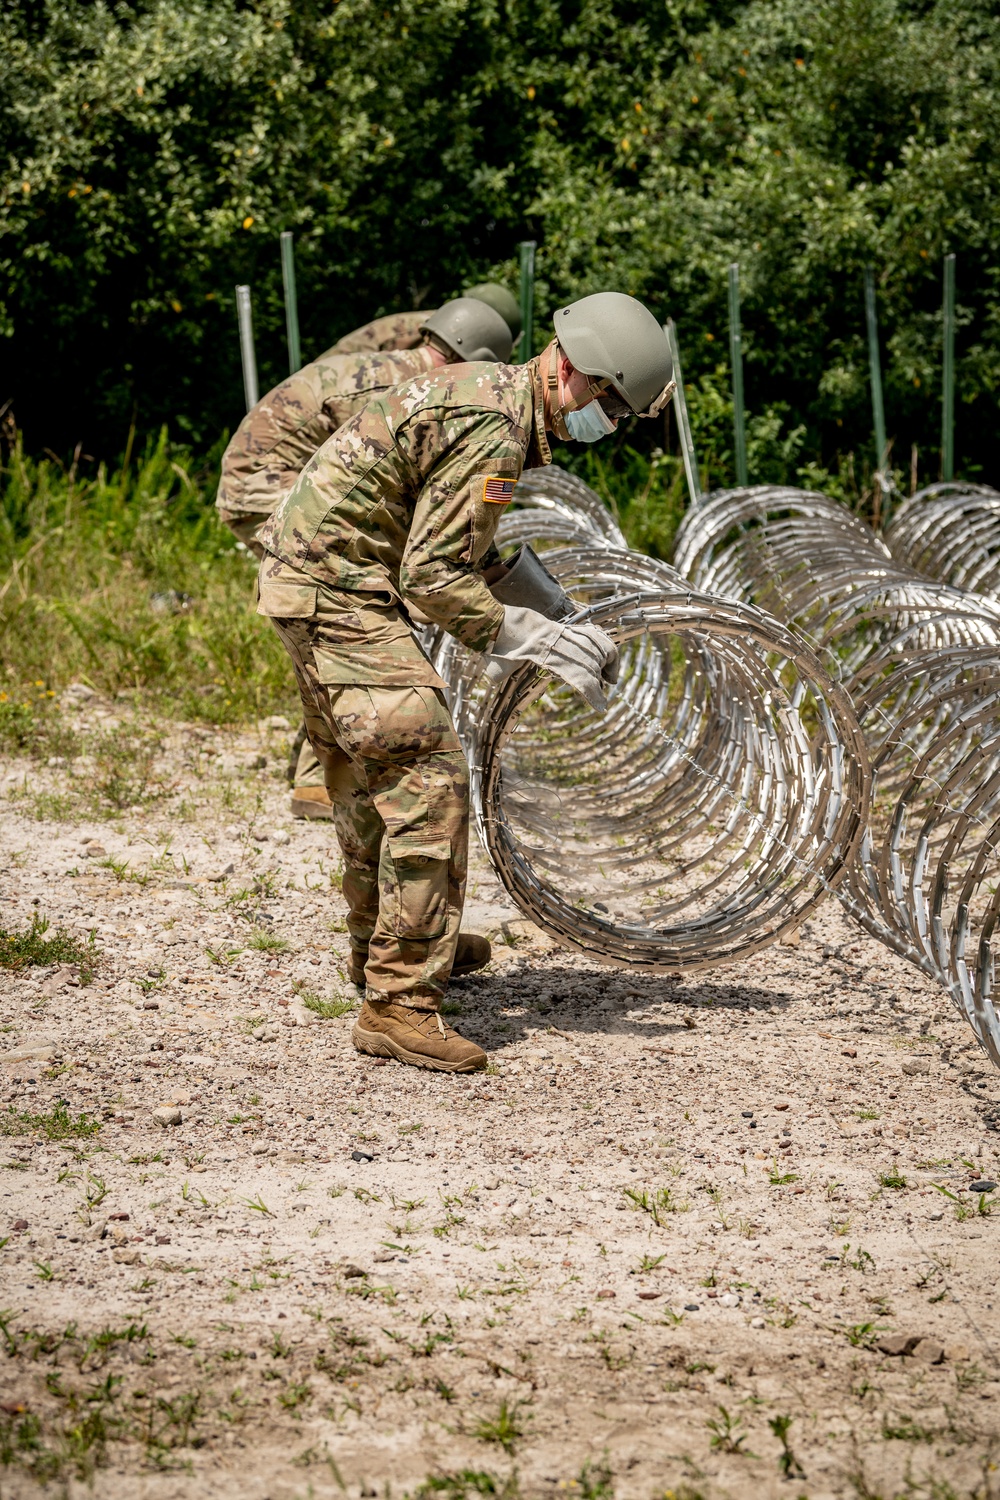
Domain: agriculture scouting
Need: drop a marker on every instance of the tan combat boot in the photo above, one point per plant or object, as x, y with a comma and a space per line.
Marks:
420, 1037
311, 802
472, 953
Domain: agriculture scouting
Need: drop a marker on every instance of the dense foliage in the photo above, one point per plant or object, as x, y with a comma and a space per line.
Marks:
152, 151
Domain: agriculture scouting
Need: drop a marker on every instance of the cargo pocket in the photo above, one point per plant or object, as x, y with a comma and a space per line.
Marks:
281, 600
418, 900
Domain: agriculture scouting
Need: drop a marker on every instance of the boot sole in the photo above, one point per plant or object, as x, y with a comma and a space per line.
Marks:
304, 807
377, 1044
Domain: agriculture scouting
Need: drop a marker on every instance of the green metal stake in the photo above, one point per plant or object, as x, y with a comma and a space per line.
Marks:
875, 367
948, 392
683, 424
527, 249
244, 316
736, 353
291, 301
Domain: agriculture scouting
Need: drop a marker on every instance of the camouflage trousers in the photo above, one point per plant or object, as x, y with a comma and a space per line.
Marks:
399, 785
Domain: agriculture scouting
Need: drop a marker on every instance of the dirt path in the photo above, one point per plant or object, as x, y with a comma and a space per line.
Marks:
650, 1252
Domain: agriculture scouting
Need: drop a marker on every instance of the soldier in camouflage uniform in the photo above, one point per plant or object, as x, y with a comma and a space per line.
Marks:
277, 438
398, 510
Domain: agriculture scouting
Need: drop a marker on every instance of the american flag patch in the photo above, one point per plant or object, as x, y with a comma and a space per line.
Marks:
498, 491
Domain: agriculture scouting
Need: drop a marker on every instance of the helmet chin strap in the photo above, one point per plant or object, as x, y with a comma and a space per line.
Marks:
557, 411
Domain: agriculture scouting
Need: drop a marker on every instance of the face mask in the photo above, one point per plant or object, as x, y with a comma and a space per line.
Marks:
589, 423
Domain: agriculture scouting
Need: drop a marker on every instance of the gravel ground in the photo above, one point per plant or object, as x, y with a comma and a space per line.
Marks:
652, 1252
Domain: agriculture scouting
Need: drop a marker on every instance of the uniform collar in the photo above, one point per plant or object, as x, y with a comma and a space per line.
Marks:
540, 453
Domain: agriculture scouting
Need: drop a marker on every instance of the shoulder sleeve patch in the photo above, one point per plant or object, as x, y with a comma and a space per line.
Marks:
498, 491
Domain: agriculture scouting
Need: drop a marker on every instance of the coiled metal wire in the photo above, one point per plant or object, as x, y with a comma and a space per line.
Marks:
919, 660
951, 532
715, 803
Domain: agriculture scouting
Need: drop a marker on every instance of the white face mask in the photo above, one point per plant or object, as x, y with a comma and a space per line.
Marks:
589, 423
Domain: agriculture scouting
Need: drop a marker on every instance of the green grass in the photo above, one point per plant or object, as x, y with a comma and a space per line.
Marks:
328, 1010
892, 1179
504, 1429
91, 556
57, 1125
266, 942
21, 950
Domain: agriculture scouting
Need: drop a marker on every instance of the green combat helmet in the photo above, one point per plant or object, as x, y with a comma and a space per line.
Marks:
471, 330
617, 340
501, 301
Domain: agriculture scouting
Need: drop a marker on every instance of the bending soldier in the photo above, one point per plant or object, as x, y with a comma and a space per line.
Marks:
399, 510
276, 440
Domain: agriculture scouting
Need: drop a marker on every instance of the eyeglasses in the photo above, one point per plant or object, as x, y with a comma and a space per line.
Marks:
614, 405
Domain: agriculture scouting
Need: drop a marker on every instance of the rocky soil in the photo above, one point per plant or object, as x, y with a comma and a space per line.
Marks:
677, 1241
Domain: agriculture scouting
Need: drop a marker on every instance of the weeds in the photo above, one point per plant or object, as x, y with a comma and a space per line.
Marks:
89, 604
892, 1179
788, 1465
504, 1429
327, 1010
57, 1125
266, 942
657, 1203
22, 950
727, 1436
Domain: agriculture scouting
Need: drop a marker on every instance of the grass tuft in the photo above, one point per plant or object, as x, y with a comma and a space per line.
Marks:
30, 947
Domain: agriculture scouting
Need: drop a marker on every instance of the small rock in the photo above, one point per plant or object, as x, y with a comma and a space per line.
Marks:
259, 1148
151, 1005
896, 1344
746, 1114
19, 1226
63, 975
77, 693
849, 1052
982, 1186
277, 721
266, 1033
915, 1068
40, 1051
95, 851
647, 1296
757, 1323
491, 1184
930, 1351
361, 1156
691, 1307
279, 836
218, 875
126, 1257
350, 1272
606, 1293
259, 835
166, 1115
729, 1299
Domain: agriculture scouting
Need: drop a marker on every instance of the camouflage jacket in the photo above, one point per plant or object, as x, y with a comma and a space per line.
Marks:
277, 439
403, 502
397, 331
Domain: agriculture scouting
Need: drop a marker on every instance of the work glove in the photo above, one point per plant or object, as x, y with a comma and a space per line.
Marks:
583, 656
527, 582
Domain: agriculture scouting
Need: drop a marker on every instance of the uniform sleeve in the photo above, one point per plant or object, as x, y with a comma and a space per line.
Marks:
397, 331
454, 522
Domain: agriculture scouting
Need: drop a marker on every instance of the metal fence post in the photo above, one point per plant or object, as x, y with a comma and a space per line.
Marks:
527, 249
882, 481
291, 301
736, 354
683, 424
875, 367
948, 373
244, 316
